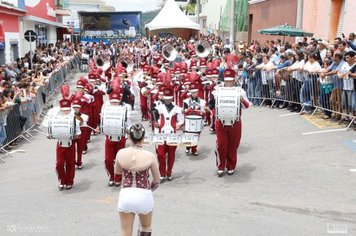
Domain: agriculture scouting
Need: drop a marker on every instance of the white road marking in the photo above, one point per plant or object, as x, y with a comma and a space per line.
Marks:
289, 114
14, 151
324, 131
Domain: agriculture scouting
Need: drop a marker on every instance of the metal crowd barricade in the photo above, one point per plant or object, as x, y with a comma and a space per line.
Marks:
306, 92
21, 119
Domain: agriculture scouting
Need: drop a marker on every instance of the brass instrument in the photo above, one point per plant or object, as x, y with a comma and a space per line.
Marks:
203, 49
169, 52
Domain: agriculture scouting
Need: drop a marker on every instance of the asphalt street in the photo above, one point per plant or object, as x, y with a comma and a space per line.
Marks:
289, 181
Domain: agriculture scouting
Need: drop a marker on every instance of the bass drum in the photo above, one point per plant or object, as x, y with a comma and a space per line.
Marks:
113, 120
61, 126
227, 104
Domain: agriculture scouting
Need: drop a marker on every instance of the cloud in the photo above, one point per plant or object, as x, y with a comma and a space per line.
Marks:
134, 5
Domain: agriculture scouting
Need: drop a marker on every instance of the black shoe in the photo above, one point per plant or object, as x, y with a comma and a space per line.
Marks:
7, 148
111, 183
170, 178
220, 173
60, 187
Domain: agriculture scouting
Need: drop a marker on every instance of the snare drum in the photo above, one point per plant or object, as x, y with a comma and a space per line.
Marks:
190, 140
61, 126
193, 124
173, 140
113, 120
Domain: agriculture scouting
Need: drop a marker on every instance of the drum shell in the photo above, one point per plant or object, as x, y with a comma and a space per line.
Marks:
227, 104
193, 124
61, 126
113, 120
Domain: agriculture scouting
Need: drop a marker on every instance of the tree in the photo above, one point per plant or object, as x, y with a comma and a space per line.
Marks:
189, 9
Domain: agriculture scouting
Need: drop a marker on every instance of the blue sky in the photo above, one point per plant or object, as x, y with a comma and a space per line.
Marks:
134, 5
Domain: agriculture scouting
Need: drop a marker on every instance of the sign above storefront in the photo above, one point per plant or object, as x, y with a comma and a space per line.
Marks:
2, 37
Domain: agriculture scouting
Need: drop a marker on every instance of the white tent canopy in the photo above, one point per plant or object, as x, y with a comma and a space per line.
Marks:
171, 17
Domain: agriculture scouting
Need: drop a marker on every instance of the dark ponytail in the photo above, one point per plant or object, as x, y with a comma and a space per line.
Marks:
137, 133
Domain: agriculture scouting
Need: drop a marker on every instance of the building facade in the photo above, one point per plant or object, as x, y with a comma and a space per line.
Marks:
210, 16
10, 45
270, 13
338, 15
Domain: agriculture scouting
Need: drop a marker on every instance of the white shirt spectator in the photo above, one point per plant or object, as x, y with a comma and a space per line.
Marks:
297, 67
347, 81
323, 54
312, 68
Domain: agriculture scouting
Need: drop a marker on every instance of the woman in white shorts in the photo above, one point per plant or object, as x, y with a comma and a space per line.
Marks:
135, 197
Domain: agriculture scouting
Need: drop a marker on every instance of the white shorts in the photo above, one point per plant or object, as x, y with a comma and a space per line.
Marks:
135, 200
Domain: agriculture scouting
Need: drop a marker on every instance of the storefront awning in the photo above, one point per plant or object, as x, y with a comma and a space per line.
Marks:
44, 21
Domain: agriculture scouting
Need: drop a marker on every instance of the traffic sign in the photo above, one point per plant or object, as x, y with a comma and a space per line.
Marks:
30, 35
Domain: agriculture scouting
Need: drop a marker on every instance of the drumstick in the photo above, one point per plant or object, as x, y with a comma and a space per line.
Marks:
87, 126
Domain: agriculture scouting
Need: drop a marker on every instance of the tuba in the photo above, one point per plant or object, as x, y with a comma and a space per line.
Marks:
99, 62
203, 48
169, 52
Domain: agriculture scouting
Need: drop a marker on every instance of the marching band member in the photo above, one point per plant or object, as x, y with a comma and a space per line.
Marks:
65, 150
87, 108
98, 94
144, 94
194, 106
207, 83
228, 136
83, 121
170, 119
114, 144
211, 88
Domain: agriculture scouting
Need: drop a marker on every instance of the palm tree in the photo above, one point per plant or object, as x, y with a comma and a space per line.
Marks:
188, 9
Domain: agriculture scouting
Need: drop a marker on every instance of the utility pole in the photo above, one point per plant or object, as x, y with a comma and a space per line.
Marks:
300, 14
299, 17
232, 25
198, 10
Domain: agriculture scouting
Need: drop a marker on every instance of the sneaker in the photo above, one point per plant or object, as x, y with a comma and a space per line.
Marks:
220, 173
79, 167
230, 172
69, 187
186, 151
170, 178
111, 183
60, 187
162, 179
85, 152
195, 154
117, 184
